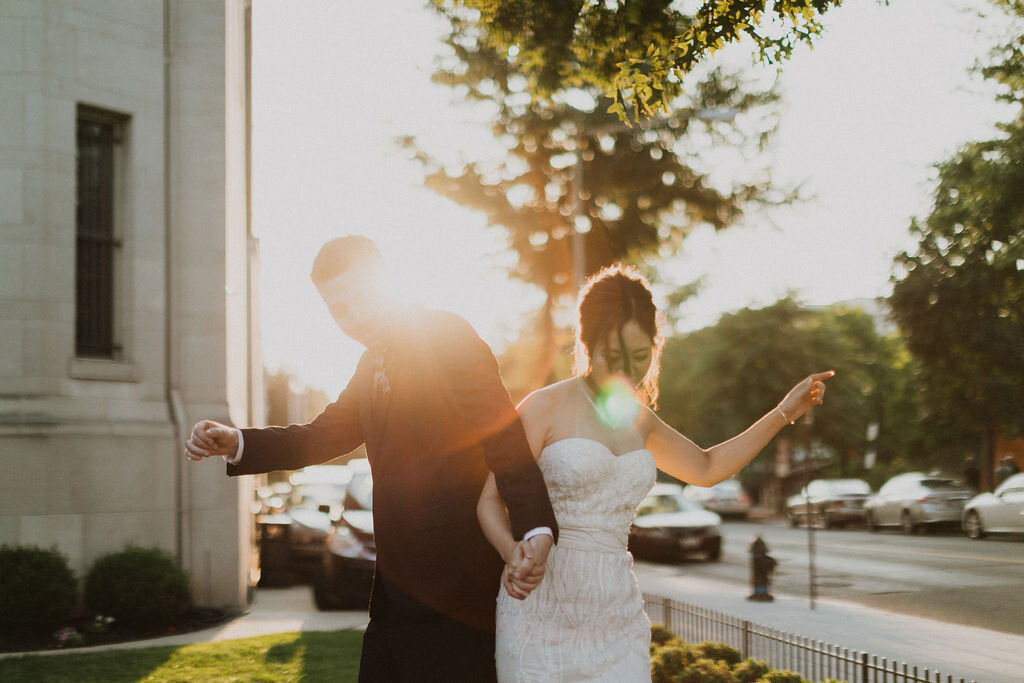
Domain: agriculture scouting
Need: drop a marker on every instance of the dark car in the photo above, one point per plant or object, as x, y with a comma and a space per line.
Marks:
291, 533
915, 501
831, 502
669, 526
349, 553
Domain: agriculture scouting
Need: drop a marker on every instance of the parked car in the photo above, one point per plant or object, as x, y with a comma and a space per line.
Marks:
832, 502
291, 536
668, 525
914, 501
1001, 511
726, 498
349, 553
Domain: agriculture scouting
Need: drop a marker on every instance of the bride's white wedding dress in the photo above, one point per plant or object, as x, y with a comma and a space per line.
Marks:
585, 622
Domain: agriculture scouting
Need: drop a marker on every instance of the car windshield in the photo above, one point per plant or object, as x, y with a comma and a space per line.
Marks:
664, 504
941, 484
846, 487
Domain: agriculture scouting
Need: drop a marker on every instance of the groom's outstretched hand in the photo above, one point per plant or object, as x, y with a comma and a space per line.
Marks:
525, 570
211, 438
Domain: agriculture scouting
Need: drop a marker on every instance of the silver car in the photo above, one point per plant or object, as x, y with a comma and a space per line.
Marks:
913, 501
1001, 511
727, 498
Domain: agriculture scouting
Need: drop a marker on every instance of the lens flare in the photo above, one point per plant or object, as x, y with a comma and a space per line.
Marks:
616, 403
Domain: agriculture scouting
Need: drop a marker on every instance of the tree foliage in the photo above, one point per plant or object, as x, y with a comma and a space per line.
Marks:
960, 296
716, 381
572, 171
636, 52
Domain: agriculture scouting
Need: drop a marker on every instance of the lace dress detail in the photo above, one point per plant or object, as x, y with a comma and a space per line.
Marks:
585, 622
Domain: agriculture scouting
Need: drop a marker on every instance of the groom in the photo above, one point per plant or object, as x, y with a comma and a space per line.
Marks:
427, 401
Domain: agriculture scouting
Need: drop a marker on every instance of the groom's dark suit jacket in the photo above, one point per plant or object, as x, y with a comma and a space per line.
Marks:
431, 439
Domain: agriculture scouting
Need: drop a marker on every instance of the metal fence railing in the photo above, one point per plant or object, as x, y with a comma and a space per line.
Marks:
810, 658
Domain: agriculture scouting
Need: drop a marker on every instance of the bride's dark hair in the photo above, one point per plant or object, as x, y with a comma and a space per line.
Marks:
607, 301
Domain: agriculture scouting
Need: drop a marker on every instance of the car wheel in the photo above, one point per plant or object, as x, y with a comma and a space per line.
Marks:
826, 521
324, 594
870, 523
972, 525
792, 519
713, 553
907, 523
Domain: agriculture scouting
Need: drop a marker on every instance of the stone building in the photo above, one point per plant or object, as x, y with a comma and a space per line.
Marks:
127, 271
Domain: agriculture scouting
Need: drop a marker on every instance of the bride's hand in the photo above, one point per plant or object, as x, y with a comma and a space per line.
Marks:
805, 395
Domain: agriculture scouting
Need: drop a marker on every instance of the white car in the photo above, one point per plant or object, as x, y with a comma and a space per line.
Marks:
915, 501
668, 526
726, 498
1001, 511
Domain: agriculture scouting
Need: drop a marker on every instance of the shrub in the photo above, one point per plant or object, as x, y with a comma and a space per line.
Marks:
719, 652
750, 670
140, 587
37, 590
706, 671
669, 661
660, 634
775, 676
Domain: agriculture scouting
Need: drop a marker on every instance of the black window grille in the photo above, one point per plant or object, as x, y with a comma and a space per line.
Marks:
97, 243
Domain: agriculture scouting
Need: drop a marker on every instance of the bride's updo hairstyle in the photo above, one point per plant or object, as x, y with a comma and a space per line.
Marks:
607, 302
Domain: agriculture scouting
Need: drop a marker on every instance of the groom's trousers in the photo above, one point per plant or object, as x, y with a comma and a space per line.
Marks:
407, 641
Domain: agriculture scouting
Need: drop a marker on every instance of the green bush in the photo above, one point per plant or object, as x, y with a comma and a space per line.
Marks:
775, 676
719, 652
139, 587
706, 671
37, 590
669, 661
750, 670
660, 634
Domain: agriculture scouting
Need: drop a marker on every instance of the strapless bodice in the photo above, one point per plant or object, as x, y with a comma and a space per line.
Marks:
595, 492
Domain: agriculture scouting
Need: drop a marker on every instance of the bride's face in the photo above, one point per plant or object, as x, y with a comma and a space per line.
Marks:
625, 354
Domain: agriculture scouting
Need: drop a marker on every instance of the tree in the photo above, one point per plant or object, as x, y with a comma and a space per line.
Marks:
960, 297
716, 381
574, 172
637, 52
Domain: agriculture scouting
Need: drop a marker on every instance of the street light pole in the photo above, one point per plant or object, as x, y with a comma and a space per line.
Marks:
580, 222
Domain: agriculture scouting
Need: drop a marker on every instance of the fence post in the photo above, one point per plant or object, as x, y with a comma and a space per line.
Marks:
864, 667
745, 652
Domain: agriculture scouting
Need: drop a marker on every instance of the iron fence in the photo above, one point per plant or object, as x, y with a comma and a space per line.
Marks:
810, 658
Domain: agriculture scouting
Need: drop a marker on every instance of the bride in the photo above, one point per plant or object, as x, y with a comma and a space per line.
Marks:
598, 444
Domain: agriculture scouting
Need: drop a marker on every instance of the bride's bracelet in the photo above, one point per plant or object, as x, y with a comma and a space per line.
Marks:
779, 408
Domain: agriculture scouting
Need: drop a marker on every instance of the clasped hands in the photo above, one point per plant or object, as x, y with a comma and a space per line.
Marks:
524, 568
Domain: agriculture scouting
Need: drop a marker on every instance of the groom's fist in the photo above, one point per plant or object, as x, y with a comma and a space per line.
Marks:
211, 438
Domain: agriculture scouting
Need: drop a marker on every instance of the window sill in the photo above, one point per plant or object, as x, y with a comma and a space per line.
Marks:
103, 370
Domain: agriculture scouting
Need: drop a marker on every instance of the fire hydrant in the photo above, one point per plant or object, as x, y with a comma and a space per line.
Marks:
761, 566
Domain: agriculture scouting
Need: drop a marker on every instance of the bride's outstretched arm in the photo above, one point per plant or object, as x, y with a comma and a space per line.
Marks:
686, 461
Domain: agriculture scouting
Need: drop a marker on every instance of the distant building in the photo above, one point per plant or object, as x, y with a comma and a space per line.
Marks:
127, 273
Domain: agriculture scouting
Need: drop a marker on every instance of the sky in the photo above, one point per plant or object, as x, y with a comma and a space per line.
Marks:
884, 95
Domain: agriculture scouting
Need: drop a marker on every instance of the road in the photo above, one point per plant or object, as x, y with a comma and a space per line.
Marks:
940, 575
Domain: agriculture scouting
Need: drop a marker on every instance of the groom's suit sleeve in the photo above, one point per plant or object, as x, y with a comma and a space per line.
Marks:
334, 432
486, 409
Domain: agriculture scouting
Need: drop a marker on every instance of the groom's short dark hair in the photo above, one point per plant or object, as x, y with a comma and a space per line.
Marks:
341, 254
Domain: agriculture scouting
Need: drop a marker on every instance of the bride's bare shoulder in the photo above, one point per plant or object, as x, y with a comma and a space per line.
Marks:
547, 396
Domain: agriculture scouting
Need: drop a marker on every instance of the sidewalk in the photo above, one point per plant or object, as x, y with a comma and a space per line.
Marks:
275, 610
964, 651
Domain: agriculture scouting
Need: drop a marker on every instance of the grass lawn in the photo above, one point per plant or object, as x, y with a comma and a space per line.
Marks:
309, 656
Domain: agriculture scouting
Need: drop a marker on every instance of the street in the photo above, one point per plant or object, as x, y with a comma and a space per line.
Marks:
940, 575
